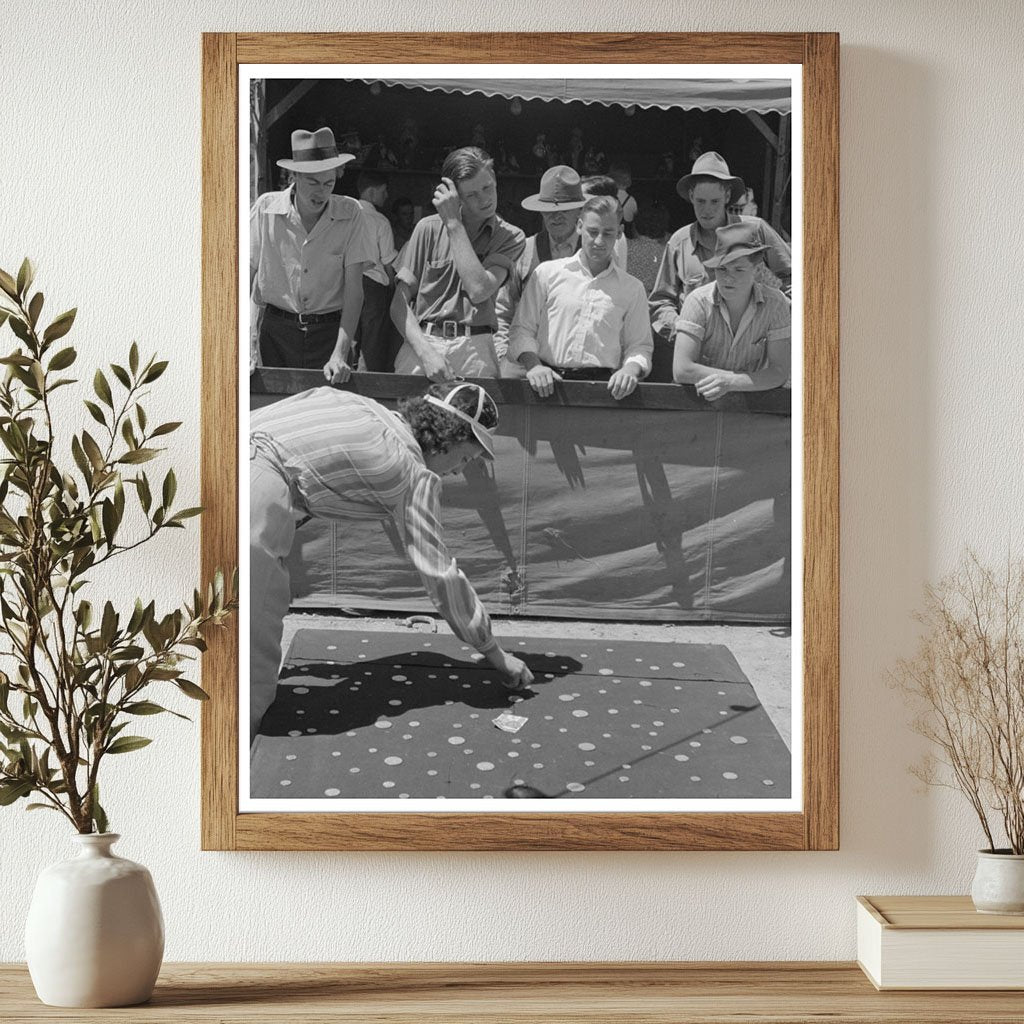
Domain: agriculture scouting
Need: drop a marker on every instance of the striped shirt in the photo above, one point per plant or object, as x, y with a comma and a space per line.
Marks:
348, 457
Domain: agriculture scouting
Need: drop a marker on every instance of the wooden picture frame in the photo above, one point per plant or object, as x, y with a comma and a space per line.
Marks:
816, 826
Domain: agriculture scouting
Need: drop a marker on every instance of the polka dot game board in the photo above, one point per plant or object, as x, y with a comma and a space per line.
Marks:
411, 715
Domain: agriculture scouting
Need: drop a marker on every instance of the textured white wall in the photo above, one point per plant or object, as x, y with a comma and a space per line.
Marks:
100, 182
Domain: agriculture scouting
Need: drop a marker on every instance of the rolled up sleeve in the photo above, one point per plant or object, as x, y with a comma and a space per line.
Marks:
637, 341
446, 585
522, 335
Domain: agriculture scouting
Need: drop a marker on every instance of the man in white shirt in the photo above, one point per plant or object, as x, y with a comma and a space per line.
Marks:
584, 317
379, 341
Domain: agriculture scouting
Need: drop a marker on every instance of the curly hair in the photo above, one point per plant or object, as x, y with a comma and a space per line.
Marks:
436, 432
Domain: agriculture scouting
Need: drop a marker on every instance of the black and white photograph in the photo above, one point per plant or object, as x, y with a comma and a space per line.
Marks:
523, 436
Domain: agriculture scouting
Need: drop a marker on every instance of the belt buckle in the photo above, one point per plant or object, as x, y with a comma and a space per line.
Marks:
303, 322
450, 329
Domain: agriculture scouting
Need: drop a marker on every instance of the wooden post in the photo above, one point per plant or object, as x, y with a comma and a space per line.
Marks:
781, 172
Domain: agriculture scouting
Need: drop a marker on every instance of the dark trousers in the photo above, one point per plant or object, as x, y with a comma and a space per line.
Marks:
288, 343
378, 338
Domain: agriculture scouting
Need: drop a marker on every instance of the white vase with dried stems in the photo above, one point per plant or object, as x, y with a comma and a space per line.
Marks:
81, 670
966, 682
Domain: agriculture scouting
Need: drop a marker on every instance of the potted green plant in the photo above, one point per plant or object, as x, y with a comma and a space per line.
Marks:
966, 681
82, 672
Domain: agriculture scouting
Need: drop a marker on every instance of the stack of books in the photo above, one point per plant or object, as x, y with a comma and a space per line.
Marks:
938, 942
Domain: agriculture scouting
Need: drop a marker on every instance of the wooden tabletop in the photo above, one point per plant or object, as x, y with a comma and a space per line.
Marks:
640, 993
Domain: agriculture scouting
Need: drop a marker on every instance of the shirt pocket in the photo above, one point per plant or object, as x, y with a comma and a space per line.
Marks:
603, 310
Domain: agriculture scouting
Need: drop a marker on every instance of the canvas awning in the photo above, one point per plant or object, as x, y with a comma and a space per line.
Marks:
758, 96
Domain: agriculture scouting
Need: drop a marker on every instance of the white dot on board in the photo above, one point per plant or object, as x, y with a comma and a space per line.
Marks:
721, 693
332, 792
656, 722
623, 778
682, 757
538, 765
334, 711
305, 668
565, 696
290, 757
584, 655
586, 746
767, 782
412, 725
474, 785
605, 672
485, 766
364, 641
535, 746
395, 703
385, 724
399, 679
723, 712
518, 782
609, 650
645, 747
392, 760
575, 787
580, 714
549, 718
335, 753
738, 739
645, 682
513, 753
695, 778
403, 796
729, 775
602, 691
678, 664
286, 782
606, 735
294, 732
474, 715
431, 753
362, 655
613, 711
563, 730
372, 750
353, 771
300, 689
589, 764
550, 654
334, 647
388, 785
407, 736
694, 743
456, 740
431, 771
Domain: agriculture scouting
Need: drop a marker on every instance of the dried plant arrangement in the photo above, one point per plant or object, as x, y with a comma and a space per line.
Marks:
966, 682
81, 670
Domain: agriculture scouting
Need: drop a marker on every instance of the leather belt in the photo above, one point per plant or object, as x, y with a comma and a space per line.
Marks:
305, 319
582, 372
453, 329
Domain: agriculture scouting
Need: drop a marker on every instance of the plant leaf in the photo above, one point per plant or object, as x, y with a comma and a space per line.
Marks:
154, 371
14, 790
7, 283
138, 455
165, 428
60, 326
170, 488
63, 359
126, 744
26, 274
95, 412
133, 358
121, 374
34, 308
102, 388
191, 690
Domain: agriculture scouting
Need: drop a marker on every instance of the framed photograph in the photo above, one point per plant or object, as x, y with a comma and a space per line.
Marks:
584, 595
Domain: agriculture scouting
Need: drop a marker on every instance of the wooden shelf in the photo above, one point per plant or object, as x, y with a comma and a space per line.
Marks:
523, 993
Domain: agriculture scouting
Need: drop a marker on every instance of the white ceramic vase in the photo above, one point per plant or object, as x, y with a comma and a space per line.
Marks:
999, 883
95, 933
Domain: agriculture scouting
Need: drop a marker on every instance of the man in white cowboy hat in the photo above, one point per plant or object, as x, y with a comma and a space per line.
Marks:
331, 454
450, 271
733, 334
558, 202
584, 317
710, 189
307, 252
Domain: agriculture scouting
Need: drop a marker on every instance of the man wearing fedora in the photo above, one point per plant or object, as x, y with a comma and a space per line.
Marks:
710, 189
558, 202
733, 334
331, 454
450, 271
307, 252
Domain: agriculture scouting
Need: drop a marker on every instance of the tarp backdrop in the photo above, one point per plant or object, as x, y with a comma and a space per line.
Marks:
596, 512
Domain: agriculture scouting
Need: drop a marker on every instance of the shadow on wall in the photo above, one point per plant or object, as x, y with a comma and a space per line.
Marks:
889, 144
